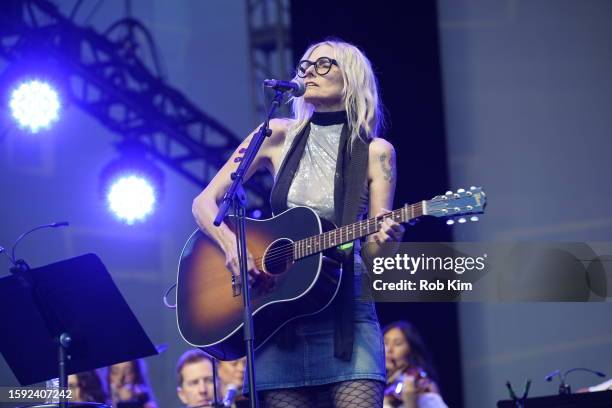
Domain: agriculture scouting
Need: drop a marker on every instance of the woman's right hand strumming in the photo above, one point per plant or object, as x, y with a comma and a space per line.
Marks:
232, 263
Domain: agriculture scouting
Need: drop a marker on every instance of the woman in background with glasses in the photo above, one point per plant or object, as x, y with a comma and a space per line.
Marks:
330, 146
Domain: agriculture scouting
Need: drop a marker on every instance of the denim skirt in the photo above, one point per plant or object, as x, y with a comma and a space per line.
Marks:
311, 361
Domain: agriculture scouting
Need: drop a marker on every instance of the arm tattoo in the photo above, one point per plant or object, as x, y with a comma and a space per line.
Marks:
387, 170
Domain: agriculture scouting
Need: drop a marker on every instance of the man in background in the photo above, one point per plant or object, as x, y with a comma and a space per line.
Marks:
194, 372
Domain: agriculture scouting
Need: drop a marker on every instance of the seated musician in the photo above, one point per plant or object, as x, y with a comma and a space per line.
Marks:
231, 374
194, 375
87, 387
410, 373
128, 383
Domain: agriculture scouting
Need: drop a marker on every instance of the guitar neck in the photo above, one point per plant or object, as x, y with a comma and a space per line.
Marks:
348, 233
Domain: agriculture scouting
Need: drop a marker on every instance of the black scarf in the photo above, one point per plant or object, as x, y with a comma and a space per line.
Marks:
351, 167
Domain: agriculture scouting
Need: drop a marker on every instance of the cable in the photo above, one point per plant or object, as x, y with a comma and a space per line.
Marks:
165, 298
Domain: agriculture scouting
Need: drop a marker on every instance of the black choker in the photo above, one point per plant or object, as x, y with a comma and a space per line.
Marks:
328, 118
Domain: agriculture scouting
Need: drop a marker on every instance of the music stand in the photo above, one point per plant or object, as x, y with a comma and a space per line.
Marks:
76, 297
599, 399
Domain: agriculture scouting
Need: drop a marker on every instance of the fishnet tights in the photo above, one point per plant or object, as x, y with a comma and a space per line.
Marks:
346, 394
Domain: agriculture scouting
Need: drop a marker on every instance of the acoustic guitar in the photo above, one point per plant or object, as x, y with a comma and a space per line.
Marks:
289, 250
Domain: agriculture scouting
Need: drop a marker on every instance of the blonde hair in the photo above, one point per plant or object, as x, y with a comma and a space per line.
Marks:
359, 93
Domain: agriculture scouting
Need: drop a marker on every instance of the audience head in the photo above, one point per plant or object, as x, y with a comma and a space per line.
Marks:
87, 387
231, 373
194, 374
128, 381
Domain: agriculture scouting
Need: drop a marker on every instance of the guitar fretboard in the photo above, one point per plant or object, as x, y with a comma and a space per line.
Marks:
318, 243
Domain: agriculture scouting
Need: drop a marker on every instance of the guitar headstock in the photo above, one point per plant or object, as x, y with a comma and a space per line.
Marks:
459, 204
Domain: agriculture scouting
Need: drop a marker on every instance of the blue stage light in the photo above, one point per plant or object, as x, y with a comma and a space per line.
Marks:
35, 105
131, 184
131, 198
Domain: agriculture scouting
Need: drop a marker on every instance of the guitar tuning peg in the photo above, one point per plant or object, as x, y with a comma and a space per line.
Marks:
462, 220
448, 193
472, 188
474, 218
450, 222
237, 159
242, 150
461, 191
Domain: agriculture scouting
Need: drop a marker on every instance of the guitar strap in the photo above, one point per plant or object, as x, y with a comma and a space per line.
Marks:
350, 176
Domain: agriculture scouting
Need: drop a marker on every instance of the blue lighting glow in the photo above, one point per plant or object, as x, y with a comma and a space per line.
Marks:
131, 198
34, 105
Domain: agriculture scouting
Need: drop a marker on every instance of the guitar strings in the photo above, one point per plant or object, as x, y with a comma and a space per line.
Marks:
284, 250
281, 253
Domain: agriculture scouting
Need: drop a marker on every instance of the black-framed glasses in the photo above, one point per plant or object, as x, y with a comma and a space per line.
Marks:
322, 66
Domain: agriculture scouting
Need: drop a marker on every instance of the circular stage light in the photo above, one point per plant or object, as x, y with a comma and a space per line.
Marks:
131, 198
34, 105
131, 184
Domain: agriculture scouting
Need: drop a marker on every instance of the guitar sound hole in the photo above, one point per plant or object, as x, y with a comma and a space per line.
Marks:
279, 256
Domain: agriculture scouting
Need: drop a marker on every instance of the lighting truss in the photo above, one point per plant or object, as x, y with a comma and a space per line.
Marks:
107, 77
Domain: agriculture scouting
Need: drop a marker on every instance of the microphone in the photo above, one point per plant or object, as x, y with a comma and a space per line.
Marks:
295, 86
3, 251
230, 395
564, 388
552, 375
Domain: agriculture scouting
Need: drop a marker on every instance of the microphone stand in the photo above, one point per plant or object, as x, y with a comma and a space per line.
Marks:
235, 196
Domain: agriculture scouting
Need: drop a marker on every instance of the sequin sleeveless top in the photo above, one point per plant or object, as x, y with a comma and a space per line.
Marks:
313, 183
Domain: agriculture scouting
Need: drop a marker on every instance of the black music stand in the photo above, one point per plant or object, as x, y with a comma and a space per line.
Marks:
76, 297
599, 399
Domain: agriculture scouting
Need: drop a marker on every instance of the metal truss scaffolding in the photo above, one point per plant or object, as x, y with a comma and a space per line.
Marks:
107, 78
270, 51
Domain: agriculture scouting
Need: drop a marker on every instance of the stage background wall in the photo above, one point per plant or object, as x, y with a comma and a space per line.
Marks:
528, 92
